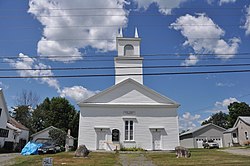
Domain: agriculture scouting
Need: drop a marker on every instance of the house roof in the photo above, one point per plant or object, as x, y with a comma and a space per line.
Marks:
200, 128
46, 129
4, 103
230, 130
12, 127
245, 119
128, 87
17, 124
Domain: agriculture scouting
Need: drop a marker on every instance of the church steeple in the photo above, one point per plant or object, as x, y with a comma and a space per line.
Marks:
128, 60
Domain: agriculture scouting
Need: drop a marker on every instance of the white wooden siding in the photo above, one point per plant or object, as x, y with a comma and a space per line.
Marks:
144, 118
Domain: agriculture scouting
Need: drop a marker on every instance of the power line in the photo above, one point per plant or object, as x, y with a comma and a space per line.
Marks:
132, 67
2, 56
112, 75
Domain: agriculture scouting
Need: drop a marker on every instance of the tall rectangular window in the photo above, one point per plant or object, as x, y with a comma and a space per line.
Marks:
129, 130
0, 112
246, 135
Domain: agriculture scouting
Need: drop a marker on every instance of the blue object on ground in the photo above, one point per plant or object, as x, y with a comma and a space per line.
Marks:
31, 148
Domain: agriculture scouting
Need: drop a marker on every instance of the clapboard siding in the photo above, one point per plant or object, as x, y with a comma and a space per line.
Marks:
113, 117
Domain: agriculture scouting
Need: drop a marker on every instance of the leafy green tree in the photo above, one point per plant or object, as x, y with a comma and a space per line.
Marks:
57, 112
237, 109
58, 136
219, 119
23, 115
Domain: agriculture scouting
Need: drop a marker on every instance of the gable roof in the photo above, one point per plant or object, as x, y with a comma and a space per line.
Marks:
4, 104
245, 119
17, 124
46, 129
125, 92
200, 128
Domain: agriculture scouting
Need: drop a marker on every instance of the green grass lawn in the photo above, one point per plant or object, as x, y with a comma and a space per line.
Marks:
63, 158
199, 157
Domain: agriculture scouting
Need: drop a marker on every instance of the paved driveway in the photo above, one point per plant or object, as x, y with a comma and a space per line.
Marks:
5, 159
238, 151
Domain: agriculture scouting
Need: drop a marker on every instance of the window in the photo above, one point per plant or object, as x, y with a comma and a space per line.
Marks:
129, 130
0, 112
129, 50
115, 135
4, 133
246, 135
234, 135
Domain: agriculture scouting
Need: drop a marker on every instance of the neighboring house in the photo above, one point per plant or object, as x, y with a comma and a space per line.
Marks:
239, 134
4, 117
128, 114
23, 136
195, 137
43, 135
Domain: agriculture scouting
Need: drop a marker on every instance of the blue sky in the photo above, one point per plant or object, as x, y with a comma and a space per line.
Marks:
184, 32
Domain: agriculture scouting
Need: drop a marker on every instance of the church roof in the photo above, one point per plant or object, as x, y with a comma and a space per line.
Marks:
130, 92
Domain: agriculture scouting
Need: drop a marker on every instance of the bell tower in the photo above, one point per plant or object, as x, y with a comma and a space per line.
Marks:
128, 63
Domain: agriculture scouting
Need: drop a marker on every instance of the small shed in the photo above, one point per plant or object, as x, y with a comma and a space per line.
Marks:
195, 137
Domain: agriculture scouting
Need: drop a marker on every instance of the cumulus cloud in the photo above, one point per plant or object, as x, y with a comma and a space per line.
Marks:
222, 84
226, 102
247, 23
191, 60
78, 93
67, 31
3, 86
205, 39
188, 121
222, 105
221, 2
25, 62
165, 6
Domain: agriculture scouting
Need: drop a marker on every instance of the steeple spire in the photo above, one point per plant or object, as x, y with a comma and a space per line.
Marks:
120, 33
136, 33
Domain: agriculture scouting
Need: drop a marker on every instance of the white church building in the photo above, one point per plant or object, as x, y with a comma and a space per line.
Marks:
128, 114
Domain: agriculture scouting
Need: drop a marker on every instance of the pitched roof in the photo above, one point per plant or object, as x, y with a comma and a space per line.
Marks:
17, 124
201, 127
230, 130
245, 119
48, 128
105, 96
4, 103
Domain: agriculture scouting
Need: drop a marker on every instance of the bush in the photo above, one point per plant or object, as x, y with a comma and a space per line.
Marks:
132, 149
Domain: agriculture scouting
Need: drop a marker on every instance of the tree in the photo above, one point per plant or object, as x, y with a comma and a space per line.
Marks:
57, 112
219, 119
237, 109
23, 115
58, 136
27, 98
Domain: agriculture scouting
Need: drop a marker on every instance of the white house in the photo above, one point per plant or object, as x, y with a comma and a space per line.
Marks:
43, 135
128, 114
4, 117
11, 131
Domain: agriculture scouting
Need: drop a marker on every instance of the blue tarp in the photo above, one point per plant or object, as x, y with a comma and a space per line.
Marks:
31, 148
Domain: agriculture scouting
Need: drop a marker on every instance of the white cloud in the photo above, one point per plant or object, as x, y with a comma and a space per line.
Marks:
73, 22
188, 121
3, 86
226, 102
247, 23
221, 2
221, 106
191, 60
78, 93
165, 6
205, 39
221, 84
25, 62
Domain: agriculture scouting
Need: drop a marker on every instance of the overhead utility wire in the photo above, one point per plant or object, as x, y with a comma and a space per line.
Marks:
150, 59
145, 74
2, 56
132, 67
